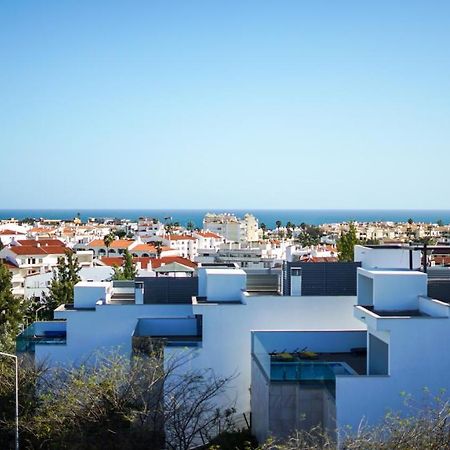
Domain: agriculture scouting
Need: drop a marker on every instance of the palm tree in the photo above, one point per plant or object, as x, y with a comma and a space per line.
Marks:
158, 246
108, 240
263, 227
278, 223
190, 226
289, 227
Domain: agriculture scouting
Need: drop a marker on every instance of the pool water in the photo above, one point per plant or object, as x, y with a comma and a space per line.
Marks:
307, 371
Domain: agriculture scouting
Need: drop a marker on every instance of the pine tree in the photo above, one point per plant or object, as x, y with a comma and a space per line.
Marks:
61, 288
11, 311
346, 244
128, 270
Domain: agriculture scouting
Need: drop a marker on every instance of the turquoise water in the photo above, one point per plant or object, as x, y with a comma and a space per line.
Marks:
268, 216
307, 371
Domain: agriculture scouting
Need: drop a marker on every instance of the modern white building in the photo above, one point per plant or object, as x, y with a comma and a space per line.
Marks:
299, 360
185, 245
231, 227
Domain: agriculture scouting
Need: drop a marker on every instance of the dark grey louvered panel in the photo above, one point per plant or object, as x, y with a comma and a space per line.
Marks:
164, 290
328, 279
439, 289
263, 283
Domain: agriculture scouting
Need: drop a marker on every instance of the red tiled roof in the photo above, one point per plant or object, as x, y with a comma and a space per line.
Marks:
118, 243
10, 232
121, 243
42, 230
143, 248
155, 262
209, 234
112, 261
27, 250
32, 250
316, 259
180, 237
41, 242
96, 243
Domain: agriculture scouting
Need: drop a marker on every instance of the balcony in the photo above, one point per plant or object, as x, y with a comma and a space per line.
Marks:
168, 332
41, 333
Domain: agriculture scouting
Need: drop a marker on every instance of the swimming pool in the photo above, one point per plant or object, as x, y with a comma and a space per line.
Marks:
308, 371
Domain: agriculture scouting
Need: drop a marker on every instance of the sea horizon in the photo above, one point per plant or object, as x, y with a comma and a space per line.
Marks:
268, 216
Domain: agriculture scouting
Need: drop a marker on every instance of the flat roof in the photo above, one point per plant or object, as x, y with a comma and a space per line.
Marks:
93, 284
225, 271
402, 272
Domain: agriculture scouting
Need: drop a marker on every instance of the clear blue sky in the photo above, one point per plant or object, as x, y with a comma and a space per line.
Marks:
225, 104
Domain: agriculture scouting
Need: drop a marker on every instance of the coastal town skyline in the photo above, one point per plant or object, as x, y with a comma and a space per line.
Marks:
224, 224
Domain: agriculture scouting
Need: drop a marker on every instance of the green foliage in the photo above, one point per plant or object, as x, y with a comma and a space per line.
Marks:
278, 223
310, 235
440, 223
158, 246
128, 270
112, 404
190, 226
423, 426
234, 440
65, 277
12, 311
120, 233
263, 227
108, 240
346, 244
2, 246
289, 227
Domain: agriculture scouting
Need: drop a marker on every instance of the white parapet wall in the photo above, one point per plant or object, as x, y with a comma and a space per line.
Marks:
386, 258
224, 285
87, 294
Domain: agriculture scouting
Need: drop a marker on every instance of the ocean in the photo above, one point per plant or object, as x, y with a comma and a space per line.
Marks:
267, 216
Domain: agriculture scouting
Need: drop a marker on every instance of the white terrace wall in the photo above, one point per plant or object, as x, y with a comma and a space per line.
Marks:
227, 330
416, 361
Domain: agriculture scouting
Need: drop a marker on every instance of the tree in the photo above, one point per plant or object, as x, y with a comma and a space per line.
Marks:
65, 277
289, 228
310, 235
346, 244
2, 246
190, 226
11, 311
127, 271
108, 240
158, 246
410, 221
120, 233
278, 223
263, 227
440, 223
152, 402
